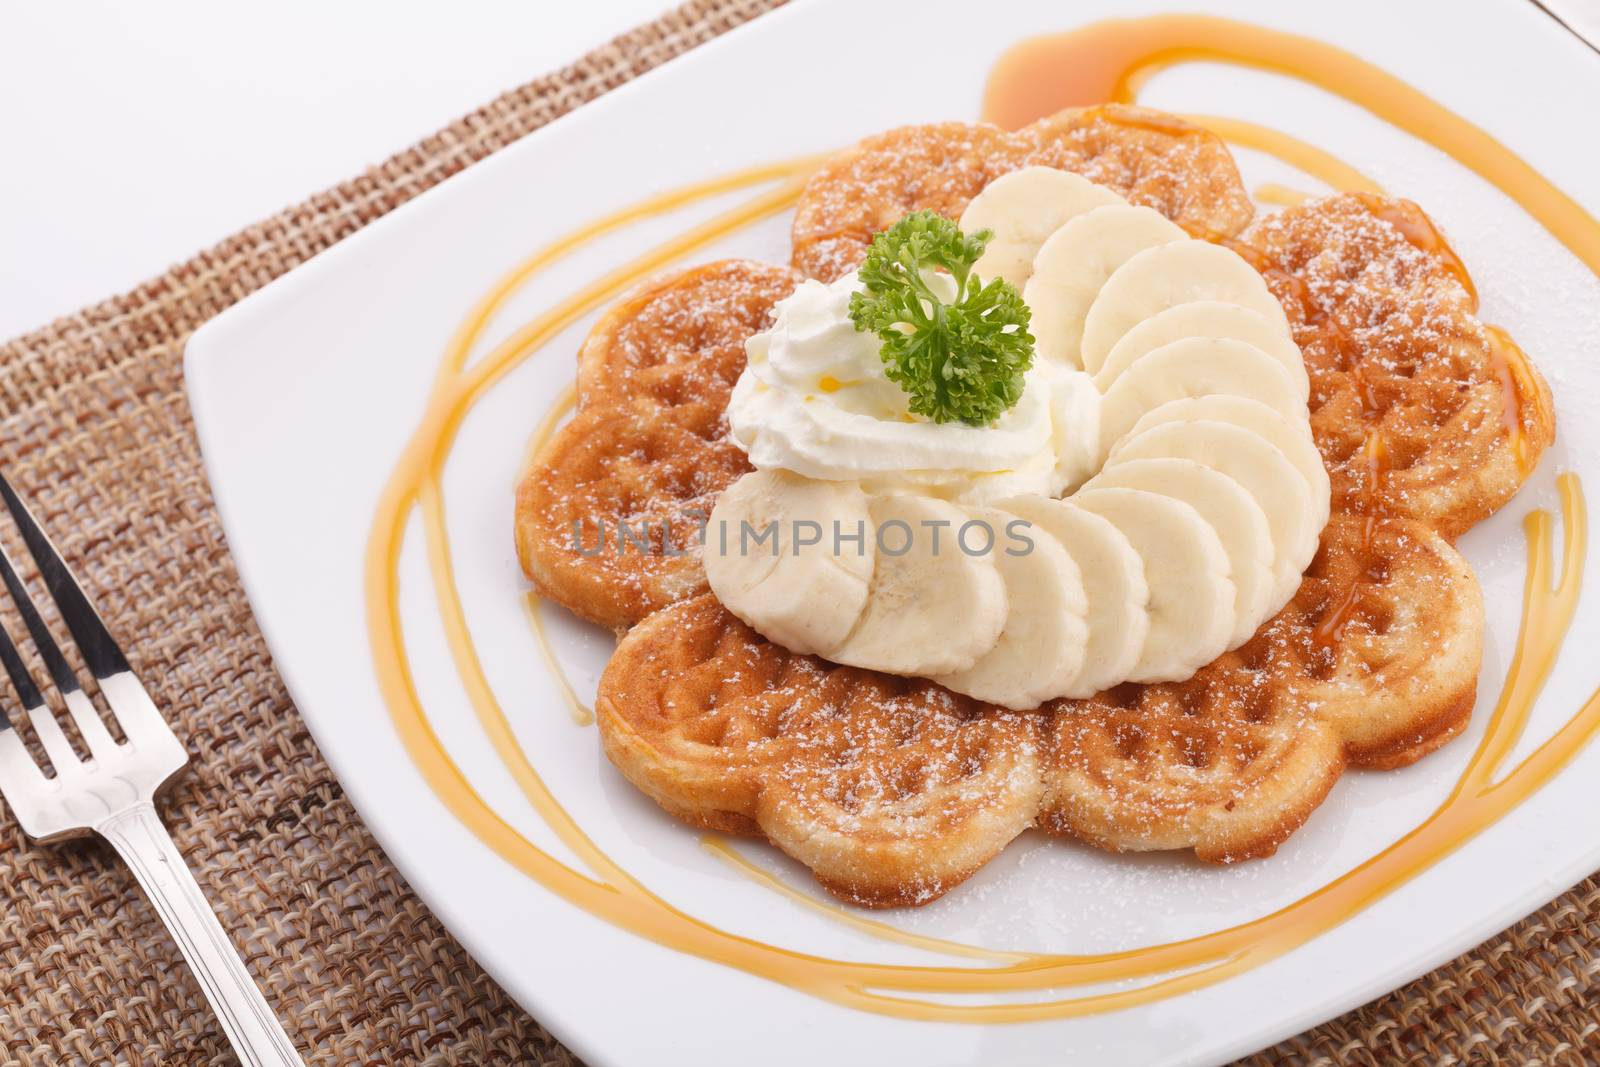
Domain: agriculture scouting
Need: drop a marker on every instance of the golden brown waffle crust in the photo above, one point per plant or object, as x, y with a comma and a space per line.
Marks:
808, 747
648, 445
1150, 157
894, 790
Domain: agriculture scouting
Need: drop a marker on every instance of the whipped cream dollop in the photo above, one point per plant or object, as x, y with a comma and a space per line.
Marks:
814, 400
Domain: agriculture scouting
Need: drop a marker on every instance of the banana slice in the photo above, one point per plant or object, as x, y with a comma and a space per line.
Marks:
1041, 649
1240, 523
1075, 262
931, 608
1161, 277
1074, 425
1191, 595
1263, 470
1195, 366
1206, 318
789, 584
1023, 208
1113, 583
1292, 437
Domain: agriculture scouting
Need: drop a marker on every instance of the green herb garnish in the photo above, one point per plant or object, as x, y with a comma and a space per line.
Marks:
962, 361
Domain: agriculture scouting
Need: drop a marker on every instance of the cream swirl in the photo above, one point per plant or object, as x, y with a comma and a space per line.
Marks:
814, 400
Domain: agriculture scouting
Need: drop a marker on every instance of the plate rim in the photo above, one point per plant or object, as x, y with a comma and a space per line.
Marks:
197, 372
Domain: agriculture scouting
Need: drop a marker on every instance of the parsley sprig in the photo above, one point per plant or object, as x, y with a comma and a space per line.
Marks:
959, 361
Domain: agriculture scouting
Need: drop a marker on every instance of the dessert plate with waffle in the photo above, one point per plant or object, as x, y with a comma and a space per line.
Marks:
1076, 553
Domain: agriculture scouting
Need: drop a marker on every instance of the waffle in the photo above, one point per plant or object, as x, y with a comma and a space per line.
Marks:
1150, 157
1393, 348
890, 789
648, 446
1232, 761
893, 790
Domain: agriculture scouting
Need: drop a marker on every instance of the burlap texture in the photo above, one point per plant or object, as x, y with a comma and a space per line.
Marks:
96, 432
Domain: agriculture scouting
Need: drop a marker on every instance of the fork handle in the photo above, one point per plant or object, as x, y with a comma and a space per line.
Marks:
144, 844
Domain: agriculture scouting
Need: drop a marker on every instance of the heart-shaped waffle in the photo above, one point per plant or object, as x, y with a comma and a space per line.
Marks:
648, 449
893, 790
1150, 157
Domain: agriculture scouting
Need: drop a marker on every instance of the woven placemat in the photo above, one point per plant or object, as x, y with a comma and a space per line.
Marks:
96, 432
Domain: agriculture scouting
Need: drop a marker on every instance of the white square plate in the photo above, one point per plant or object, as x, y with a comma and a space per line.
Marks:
306, 392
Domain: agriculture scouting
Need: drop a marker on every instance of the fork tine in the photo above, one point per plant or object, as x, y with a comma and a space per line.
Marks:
84, 714
54, 740
99, 648
16, 766
90, 728
21, 680
60, 670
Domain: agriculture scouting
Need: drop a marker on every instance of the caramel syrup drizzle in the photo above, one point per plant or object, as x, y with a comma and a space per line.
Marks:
1375, 459
532, 603
1511, 368
1281, 195
1106, 60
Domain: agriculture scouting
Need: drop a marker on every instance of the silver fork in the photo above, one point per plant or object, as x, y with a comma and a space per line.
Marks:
113, 792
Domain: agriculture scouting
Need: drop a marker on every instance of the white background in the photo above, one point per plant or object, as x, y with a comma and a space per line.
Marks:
138, 134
